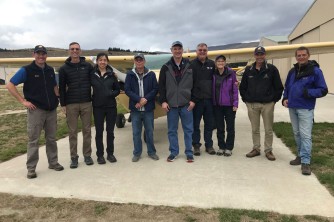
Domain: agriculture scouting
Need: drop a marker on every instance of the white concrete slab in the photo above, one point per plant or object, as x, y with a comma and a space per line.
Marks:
211, 181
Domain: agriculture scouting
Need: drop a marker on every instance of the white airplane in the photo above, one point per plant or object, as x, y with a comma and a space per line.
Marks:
155, 62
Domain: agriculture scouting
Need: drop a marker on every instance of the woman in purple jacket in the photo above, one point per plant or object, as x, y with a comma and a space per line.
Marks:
225, 104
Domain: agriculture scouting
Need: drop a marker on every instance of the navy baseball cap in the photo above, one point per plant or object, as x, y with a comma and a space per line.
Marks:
40, 48
259, 49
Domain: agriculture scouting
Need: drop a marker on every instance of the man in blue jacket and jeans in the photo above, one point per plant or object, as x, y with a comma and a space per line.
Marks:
305, 82
141, 87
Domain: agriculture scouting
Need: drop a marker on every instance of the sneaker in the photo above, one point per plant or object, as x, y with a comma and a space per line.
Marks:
197, 151
190, 159
135, 158
154, 156
306, 169
296, 161
210, 151
89, 160
220, 152
101, 160
56, 167
111, 158
228, 153
253, 153
74, 162
31, 174
171, 158
270, 156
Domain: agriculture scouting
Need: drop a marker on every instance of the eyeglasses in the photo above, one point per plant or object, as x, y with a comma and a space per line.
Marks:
202, 50
75, 49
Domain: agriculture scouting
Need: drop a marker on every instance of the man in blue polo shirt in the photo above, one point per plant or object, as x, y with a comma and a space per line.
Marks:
40, 98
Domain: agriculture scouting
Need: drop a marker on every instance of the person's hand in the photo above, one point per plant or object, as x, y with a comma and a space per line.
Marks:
143, 101
138, 105
285, 103
235, 108
28, 105
64, 109
165, 106
191, 106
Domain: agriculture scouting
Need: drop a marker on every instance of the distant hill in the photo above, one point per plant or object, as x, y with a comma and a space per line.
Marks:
232, 46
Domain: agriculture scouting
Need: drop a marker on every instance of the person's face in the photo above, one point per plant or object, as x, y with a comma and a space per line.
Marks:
260, 57
139, 63
202, 52
40, 58
302, 57
75, 51
220, 63
102, 62
177, 52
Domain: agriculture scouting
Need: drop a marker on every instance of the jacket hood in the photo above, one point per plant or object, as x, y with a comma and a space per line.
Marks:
68, 60
311, 63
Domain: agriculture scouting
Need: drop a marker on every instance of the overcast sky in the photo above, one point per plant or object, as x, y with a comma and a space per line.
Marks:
150, 25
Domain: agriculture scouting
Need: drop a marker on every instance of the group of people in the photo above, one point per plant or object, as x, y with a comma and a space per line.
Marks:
188, 90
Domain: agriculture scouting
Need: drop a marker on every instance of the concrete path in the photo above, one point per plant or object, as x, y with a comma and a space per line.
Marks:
211, 181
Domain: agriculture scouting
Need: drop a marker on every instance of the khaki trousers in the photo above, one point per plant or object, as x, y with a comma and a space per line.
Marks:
73, 111
37, 120
255, 111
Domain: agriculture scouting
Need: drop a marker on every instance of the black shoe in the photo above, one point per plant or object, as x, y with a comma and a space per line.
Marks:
101, 160
56, 167
111, 158
89, 160
74, 162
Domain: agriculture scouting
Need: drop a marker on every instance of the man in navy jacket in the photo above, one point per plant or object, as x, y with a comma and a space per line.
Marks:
141, 87
305, 82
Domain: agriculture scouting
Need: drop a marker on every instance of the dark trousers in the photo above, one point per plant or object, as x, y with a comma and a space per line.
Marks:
225, 114
101, 114
203, 108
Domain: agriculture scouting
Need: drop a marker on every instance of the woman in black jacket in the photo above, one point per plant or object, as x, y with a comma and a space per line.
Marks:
105, 89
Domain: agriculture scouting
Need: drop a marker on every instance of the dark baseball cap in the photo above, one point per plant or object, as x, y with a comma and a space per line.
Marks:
139, 55
40, 48
220, 57
177, 43
259, 49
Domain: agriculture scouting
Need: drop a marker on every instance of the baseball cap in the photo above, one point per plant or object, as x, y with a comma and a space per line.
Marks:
40, 48
259, 49
177, 43
139, 55
220, 57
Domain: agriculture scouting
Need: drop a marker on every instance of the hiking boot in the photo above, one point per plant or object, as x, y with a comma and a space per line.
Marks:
228, 153
56, 167
88, 160
253, 153
306, 169
111, 158
154, 156
135, 158
31, 174
74, 162
190, 159
171, 158
197, 152
101, 160
270, 156
296, 161
210, 151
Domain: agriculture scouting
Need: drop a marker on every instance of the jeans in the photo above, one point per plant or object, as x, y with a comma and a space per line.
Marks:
203, 108
225, 114
187, 124
101, 114
138, 119
302, 123
255, 111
